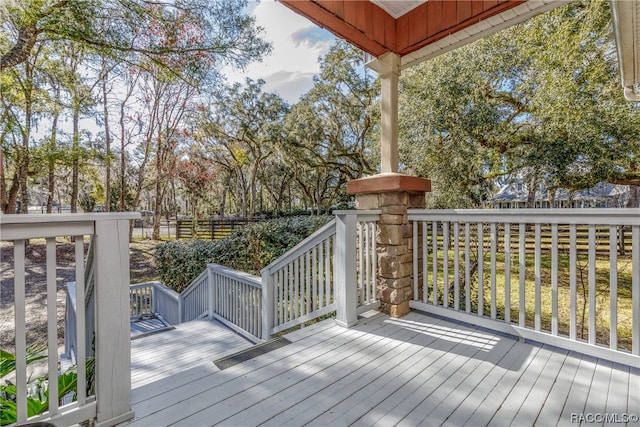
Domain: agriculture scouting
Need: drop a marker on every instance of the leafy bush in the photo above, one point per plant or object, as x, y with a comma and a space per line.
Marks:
38, 390
249, 249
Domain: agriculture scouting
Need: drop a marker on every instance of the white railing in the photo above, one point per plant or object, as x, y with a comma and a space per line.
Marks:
568, 277
299, 284
166, 303
154, 299
305, 283
194, 300
140, 300
236, 300
109, 263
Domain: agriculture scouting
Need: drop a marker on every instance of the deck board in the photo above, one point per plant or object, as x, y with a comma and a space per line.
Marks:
418, 369
160, 355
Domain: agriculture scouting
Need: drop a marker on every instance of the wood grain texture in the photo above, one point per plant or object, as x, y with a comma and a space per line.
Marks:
416, 370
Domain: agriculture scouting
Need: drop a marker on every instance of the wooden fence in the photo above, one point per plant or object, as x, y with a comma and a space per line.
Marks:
209, 229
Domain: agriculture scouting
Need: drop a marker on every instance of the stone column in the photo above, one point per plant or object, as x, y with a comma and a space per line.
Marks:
392, 193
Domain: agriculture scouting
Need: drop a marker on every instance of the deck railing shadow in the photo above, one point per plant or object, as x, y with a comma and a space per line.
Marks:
459, 338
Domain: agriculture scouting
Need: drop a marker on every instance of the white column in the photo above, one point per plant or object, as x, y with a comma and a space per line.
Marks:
388, 68
344, 268
113, 347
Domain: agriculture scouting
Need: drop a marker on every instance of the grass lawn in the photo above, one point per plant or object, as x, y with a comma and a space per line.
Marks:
602, 294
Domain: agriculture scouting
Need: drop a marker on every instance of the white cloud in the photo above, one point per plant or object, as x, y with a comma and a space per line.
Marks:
297, 45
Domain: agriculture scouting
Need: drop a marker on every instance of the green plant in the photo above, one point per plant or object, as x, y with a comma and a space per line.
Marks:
249, 249
38, 390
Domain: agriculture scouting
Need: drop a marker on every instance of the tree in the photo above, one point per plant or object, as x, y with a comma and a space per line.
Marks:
540, 100
332, 129
247, 123
114, 27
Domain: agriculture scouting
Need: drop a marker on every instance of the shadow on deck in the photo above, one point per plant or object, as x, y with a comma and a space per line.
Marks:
417, 370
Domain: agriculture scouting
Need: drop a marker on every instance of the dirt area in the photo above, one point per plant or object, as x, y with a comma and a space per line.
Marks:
142, 269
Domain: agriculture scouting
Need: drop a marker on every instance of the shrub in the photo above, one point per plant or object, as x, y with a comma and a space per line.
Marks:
249, 249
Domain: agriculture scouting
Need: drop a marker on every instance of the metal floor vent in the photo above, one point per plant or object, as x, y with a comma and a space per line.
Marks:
250, 353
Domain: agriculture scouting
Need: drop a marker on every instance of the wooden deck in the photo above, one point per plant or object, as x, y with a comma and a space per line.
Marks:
417, 370
188, 345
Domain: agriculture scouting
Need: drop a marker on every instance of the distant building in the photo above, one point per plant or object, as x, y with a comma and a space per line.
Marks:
514, 194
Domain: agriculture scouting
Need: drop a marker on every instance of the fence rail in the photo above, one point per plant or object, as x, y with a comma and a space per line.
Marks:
209, 229
103, 279
495, 267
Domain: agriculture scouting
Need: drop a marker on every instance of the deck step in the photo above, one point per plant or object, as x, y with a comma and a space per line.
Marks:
250, 353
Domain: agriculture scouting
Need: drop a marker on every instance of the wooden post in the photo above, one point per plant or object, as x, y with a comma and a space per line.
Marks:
345, 269
267, 304
388, 68
113, 346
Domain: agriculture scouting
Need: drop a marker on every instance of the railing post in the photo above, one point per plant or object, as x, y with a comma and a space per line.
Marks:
345, 269
113, 347
267, 304
211, 290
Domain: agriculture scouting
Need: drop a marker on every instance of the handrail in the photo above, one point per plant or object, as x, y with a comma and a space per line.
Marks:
321, 234
595, 216
194, 300
154, 298
464, 260
236, 300
104, 276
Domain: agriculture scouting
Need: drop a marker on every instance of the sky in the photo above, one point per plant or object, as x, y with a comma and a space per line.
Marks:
297, 45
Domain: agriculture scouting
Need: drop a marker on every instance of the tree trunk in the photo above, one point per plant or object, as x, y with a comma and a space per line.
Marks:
51, 177
75, 156
107, 132
634, 196
531, 193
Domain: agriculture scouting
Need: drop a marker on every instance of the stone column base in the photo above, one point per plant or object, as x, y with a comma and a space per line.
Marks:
393, 194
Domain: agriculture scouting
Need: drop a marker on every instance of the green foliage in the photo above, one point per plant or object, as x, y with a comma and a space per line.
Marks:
541, 100
8, 360
37, 391
249, 249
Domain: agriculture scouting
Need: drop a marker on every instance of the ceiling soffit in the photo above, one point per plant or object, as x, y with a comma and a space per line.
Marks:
371, 28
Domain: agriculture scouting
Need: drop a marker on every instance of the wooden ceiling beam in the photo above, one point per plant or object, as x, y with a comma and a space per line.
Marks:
373, 30
361, 23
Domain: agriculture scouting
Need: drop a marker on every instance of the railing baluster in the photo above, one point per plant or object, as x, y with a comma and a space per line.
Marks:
327, 270
494, 246
414, 226
538, 283
21, 338
522, 263
434, 249
321, 273
573, 298
467, 267
613, 288
81, 351
307, 284
374, 263
425, 261
592, 284
52, 326
456, 266
314, 277
507, 272
635, 290
368, 257
554, 279
480, 234
360, 231
445, 264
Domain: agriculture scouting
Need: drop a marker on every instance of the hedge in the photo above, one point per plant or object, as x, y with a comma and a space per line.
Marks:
248, 249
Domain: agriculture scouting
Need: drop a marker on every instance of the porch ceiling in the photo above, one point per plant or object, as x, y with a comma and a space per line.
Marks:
417, 30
